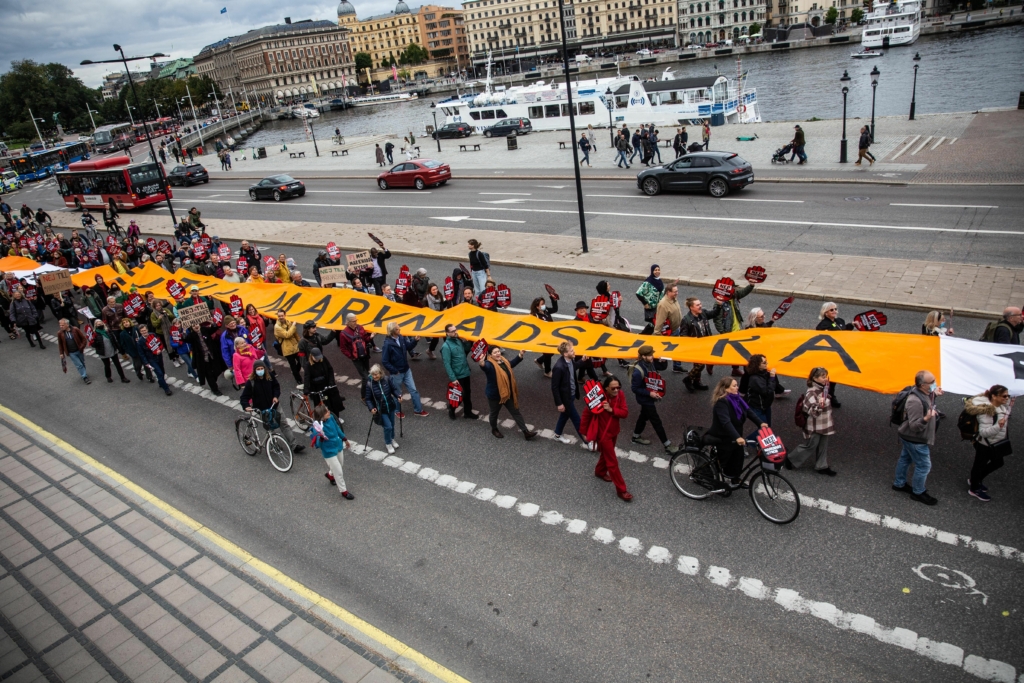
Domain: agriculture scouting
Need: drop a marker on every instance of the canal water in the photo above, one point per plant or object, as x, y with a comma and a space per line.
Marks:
958, 72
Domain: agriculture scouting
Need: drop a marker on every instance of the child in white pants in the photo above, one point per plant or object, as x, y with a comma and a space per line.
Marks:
332, 444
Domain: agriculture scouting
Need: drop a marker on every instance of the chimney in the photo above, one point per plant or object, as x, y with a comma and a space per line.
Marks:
287, 20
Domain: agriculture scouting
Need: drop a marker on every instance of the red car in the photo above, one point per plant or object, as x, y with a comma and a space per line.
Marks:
417, 173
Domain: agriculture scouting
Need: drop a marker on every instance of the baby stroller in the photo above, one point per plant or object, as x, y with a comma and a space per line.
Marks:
780, 154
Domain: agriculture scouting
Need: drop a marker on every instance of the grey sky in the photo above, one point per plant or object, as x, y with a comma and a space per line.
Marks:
67, 31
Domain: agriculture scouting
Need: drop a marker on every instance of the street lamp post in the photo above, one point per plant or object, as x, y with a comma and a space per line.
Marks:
842, 145
437, 136
195, 117
875, 73
913, 94
610, 98
130, 118
92, 111
572, 127
164, 185
38, 134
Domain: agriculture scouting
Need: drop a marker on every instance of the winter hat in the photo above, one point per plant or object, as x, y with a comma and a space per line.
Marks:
581, 304
316, 353
645, 350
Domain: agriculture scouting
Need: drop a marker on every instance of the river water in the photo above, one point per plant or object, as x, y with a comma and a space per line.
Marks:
958, 72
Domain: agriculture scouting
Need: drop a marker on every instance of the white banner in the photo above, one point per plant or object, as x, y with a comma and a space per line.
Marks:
971, 367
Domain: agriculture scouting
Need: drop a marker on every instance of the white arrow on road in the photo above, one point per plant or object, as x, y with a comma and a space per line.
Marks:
456, 219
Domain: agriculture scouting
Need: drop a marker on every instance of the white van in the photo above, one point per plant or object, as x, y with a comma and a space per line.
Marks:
583, 59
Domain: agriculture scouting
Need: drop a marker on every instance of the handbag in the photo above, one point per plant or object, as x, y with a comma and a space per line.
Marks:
1002, 448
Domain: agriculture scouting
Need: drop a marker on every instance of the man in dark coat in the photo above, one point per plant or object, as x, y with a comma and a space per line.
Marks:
565, 390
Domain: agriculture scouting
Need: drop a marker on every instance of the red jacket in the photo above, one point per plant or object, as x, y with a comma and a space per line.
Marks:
347, 339
77, 335
600, 425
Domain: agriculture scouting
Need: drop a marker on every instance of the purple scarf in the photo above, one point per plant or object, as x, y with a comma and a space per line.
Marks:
739, 406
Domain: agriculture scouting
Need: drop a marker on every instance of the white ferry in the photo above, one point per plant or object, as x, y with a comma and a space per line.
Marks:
892, 24
618, 101
306, 112
392, 98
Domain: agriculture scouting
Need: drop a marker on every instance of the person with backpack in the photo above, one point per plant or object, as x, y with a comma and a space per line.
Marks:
914, 408
331, 440
991, 413
814, 417
648, 399
1007, 330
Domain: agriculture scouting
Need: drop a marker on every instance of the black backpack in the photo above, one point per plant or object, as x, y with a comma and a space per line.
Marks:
967, 424
899, 407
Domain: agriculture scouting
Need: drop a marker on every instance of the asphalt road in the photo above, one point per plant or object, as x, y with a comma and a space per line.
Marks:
501, 595
936, 223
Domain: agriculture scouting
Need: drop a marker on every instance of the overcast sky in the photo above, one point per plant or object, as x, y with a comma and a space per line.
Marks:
68, 31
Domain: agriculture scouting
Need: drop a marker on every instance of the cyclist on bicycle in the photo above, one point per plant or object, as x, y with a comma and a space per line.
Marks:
726, 433
263, 392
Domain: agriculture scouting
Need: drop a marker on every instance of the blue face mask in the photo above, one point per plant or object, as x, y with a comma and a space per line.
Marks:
932, 387
260, 373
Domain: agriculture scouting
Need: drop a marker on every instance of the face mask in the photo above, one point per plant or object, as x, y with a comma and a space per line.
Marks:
541, 307
932, 387
260, 373
942, 326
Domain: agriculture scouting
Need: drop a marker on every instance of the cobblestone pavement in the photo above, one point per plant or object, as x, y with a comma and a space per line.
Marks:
989, 150
96, 586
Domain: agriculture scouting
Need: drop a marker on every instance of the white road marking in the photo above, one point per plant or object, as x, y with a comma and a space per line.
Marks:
519, 194
456, 219
909, 145
648, 216
938, 142
950, 206
621, 196
776, 201
554, 187
520, 201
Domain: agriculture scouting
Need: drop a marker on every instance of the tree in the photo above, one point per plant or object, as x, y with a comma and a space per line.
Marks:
755, 28
831, 15
856, 15
413, 54
46, 89
363, 61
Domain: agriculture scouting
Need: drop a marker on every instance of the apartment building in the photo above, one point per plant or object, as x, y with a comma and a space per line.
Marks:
712, 21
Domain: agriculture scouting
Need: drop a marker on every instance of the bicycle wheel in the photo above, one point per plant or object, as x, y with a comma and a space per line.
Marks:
774, 497
301, 412
279, 452
693, 474
249, 441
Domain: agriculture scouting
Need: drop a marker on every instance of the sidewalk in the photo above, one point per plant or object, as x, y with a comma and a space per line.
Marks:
982, 291
964, 147
100, 584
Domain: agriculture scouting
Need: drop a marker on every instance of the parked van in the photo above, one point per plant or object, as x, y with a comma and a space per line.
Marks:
583, 59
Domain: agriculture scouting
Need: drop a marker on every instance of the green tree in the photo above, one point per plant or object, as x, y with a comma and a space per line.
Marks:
831, 15
46, 89
414, 54
856, 15
363, 61
755, 28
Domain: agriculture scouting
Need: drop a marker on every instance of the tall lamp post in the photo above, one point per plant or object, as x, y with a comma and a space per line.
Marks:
160, 168
610, 97
572, 127
91, 111
913, 94
875, 73
437, 136
34, 123
842, 145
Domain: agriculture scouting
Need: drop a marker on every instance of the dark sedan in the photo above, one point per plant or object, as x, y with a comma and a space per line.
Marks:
716, 173
188, 174
453, 130
277, 187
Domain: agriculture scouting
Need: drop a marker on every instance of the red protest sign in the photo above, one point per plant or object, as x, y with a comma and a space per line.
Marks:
134, 305
616, 300
465, 271
224, 251
32, 245
401, 286
256, 337
93, 255
205, 240
755, 274
478, 350
454, 394
488, 298
164, 246
599, 308
30, 291
150, 245
374, 238
783, 307
235, 305
23, 242
771, 445
449, 289
333, 251
154, 345
551, 292
175, 289
90, 334
175, 333
243, 264
593, 394
199, 250
52, 246
217, 317
504, 296
724, 289
270, 263
870, 321
403, 271
111, 240
655, 382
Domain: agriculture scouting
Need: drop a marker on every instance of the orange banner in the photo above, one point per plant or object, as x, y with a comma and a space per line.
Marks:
876, 361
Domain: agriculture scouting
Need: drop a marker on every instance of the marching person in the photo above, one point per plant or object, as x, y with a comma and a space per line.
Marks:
729, 318
332, 442
668, 318
917, 434
319, 385
128, 340
696, 324
261, 391
154, 360
395, 359
539, 310
650, 292
729, 412
384, 401
829, 320
379, 270
453, 355
205, 358
817, 408
71, 343
287, 335
480, 266
254, 321
356, 344
755, 319
759, 386
601, 426
935, 324
106, 349
26, 316
566, 390
502, 390
243, 359
648, 400
991, 445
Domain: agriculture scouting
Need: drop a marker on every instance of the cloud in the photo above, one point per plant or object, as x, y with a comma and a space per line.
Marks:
67, 32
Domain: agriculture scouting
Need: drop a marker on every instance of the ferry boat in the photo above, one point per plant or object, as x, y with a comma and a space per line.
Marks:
603, 102
892, 24
392, 98
866, 53
306, 112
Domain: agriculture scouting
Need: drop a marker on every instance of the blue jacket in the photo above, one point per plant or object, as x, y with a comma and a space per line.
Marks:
227, 343
491, 390
334, 438
382, 395
638, 383
393, 356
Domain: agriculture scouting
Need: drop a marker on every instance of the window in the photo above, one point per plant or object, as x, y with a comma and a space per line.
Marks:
536, 112
475, 115
551, 111
487, 114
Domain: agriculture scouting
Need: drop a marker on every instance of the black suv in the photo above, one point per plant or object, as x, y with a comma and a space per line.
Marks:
507, 127
453, 130
714, 172
188, 174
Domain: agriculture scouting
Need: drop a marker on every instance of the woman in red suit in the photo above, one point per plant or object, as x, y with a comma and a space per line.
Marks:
601, 425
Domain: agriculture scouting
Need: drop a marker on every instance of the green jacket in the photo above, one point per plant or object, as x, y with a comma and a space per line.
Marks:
453, 353
730, 311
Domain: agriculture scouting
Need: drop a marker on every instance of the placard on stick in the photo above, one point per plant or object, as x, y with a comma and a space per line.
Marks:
194, 315
332, 274
54, 281
359, 261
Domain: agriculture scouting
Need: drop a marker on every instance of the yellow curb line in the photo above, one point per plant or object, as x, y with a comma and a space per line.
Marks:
398, 647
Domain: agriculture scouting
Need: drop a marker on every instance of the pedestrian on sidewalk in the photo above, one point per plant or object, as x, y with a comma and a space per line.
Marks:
389, 149
384, 401
829, 321
379, 155
648, 400
106, 349
654, 145
798, 145
565, 389
601, 426
818, 426
992, 444
862, 147
584, 145
332, 441
706, 134
479, 265
679, 142
71, 342
917, 434
591, 136
622, 148
394, 357
637, 146
502, 389
539, 310
453, 355
286, 334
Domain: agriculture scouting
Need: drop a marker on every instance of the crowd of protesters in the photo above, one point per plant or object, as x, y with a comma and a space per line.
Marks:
233, 349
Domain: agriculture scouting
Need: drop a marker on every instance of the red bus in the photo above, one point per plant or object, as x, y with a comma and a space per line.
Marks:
157, 129
115, 180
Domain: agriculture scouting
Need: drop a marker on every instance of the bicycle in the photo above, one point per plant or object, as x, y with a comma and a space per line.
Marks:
696, 472
302, 407
247, 429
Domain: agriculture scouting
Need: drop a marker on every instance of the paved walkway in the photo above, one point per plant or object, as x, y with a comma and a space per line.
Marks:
895, 283
97, 584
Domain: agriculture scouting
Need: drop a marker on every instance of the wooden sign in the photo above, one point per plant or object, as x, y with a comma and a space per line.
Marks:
54, 281
194, 315
357, 262
332, 274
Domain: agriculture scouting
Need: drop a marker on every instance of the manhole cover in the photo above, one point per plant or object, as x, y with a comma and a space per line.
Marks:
858, 199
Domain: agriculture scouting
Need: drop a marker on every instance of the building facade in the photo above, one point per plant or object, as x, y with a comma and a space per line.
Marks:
713, 21
514, 31
217, 61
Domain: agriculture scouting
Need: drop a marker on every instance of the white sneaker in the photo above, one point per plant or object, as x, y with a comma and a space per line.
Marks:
390, 449
177, 363
565, 439
394, 444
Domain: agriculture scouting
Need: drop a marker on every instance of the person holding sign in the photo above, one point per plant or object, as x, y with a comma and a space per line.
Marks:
453, 355
729, 318
818, 425
26, 316
539, 310
566, 390
502, 389
356, 344
729, 412
648, 397
601, 426
650, 292
829, 321
106, 349
695, 324
151, 353
129, 341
